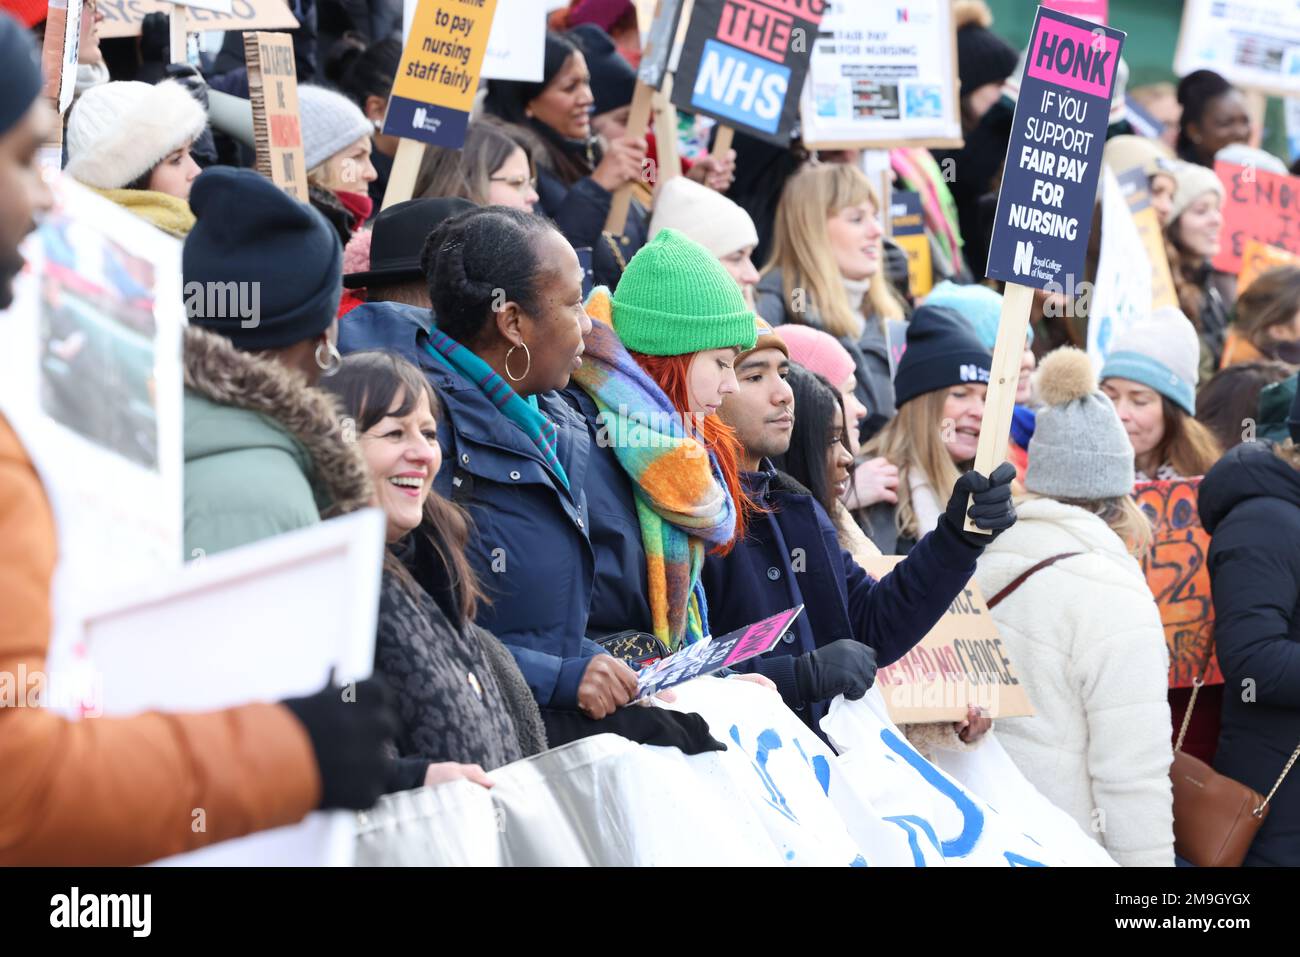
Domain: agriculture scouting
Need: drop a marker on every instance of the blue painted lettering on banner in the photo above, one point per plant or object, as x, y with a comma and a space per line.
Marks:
972, 816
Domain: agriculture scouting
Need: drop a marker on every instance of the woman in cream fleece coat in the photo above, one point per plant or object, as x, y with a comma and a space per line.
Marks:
1084, 631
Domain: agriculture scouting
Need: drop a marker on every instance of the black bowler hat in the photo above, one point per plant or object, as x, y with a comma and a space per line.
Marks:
397, 238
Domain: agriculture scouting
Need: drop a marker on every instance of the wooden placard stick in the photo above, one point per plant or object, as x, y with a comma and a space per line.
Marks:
179, 34
670, 157
722, 142
638, 122
1004, 377
406, 167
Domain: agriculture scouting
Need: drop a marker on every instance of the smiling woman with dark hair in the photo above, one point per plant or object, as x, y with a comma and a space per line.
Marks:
459, 693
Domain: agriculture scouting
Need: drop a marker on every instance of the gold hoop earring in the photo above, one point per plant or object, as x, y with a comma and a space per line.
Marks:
333, 360
527, 369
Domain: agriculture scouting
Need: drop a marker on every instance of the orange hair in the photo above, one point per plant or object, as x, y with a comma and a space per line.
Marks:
670, 374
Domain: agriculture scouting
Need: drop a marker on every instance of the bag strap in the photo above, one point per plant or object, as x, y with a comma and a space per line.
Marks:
1021, 578
1197, 683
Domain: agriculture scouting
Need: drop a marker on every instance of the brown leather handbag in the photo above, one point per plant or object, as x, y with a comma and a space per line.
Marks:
1215, 817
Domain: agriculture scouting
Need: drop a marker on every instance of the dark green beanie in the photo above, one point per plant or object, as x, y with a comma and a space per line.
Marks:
675, 298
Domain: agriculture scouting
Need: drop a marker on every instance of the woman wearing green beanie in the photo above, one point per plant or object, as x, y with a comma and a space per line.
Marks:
665, 481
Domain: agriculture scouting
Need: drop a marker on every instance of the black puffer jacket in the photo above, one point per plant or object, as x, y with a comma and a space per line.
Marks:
1250, 504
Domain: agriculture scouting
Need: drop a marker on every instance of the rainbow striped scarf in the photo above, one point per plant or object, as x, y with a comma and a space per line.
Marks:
522, 412
682, 503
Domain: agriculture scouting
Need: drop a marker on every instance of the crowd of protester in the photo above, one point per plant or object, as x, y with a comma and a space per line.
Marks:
750, 377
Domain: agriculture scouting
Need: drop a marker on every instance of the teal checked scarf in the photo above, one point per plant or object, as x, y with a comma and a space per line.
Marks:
524, 413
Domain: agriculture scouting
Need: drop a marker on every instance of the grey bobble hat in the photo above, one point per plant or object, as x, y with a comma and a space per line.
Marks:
330, 122
1079, 449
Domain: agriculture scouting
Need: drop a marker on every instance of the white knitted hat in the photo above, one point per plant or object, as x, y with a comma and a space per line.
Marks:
330, 122
702, 214
119, 131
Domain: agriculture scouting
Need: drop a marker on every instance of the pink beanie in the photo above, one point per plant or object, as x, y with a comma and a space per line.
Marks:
818, 352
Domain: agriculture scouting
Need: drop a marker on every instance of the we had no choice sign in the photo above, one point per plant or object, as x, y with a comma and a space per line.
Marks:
1049, 184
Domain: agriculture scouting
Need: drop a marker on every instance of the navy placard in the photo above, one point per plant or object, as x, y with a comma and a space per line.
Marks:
1049, 185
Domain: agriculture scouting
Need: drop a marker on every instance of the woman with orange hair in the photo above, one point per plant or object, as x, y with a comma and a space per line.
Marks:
664, 487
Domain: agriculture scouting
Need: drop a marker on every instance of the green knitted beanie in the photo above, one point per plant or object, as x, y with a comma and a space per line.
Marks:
675, 298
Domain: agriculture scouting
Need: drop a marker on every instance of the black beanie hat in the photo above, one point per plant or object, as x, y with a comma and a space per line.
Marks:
613, 81
247, 231
983, 57
20, 71
942, 351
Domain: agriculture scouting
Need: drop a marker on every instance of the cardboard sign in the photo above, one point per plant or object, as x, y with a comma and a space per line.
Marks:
743, 63
962, 661
1252, 43
1258, 259
1136, 190
883, 79
122, 17
703, 658
273, 90
1049, 187
439, 72
907, 225
1122, 290
1256, 205
1178, 577
1094, 10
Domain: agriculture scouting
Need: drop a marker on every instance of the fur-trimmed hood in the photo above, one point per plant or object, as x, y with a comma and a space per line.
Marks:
217, 371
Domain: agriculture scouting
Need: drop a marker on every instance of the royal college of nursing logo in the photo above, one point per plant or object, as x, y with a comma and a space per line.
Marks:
420, 120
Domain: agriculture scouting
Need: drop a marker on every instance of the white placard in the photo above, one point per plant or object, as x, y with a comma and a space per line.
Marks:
882, 77
1121, 295
261, 622
90, 379
516, 47
216, 6
1252, 43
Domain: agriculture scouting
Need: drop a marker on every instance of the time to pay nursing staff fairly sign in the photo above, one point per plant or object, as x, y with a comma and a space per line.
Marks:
433, 91
1049, 187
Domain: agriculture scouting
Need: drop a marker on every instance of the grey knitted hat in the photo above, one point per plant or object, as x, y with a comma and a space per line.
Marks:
330, 122
1079, 449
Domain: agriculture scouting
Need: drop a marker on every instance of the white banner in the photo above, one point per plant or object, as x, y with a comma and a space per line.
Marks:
776, 797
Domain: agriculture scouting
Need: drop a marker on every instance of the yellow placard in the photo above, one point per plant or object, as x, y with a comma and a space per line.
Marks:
439, 73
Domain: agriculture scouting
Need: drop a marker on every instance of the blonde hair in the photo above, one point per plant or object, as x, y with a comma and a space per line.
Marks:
801, 249
1124, 517
913, 439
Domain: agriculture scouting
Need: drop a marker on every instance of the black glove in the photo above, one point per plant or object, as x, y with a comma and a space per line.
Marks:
155, 38
990, 504
189, 77
348, 735
844, 667
687, 732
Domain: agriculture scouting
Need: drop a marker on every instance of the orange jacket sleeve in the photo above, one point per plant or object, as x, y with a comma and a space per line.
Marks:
120, 791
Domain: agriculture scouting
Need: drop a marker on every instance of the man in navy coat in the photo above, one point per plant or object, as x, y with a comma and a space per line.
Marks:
851, 622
